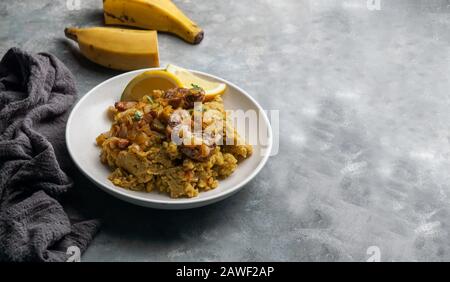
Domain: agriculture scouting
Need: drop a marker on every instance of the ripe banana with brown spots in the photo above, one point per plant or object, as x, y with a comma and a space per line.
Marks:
161, 15
117, 48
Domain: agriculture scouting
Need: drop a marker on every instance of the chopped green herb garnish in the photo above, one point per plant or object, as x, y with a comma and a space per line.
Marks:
149, 99
196, 87
138, 115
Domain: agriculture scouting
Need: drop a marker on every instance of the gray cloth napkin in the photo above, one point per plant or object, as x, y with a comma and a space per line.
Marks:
36, 93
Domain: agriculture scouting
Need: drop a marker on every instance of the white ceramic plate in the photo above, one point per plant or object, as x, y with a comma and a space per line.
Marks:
88, 119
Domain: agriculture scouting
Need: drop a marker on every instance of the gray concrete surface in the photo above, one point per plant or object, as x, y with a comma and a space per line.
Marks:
364, 155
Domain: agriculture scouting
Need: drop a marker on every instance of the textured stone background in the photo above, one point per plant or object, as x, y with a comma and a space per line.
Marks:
364, 155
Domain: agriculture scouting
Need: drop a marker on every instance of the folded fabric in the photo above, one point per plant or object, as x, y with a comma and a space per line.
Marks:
36, 93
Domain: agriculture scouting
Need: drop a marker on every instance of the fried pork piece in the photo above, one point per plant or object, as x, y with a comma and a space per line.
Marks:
184, 98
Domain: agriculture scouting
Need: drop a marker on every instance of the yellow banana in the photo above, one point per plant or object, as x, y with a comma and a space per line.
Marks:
117, 48
162, 15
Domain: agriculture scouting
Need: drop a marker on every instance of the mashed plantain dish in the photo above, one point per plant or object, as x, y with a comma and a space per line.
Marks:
177, 141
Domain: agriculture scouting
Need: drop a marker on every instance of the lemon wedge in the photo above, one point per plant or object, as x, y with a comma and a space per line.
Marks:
148, 81
190, 80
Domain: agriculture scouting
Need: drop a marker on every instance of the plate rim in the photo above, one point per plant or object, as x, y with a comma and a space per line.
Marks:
182, 203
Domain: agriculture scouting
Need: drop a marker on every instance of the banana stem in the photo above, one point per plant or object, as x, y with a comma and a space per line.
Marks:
71, 33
